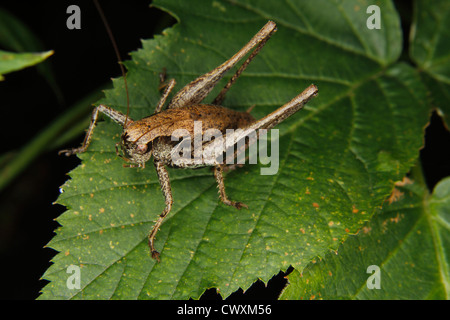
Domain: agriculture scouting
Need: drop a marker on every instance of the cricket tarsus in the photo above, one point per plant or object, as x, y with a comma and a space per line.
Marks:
151, 136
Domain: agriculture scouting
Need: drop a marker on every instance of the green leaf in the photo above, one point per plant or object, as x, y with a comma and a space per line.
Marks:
430, 49
339, 157
10, 61
409, 240
16, 36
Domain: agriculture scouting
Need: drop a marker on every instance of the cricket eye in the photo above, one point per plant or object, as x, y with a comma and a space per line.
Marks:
141, 148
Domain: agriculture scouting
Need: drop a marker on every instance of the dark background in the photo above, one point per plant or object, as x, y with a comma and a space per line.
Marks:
28, 105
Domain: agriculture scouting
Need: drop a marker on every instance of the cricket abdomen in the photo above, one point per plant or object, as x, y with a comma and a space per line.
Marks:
163, 124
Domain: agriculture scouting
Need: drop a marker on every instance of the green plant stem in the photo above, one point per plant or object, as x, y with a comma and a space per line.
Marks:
53, 136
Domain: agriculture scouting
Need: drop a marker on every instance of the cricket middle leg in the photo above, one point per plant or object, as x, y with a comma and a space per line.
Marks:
164, 181
218, 174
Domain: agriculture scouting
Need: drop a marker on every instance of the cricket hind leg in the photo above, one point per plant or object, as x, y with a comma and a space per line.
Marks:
195, 91
221, 96
164, 181
218, 174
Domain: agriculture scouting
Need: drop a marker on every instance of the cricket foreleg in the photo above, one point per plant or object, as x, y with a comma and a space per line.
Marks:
162, 101
218, 174
162, 79
164, 181
115, 115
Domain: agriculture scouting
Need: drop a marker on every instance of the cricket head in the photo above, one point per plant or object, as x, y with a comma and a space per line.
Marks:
137, 151
150, 136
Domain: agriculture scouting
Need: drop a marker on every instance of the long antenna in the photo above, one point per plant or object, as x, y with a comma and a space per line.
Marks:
113, 41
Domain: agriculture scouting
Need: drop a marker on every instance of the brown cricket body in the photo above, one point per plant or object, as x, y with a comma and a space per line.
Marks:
140, 135
152, 136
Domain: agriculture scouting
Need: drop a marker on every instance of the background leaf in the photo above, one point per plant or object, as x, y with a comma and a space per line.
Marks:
339, 157
11, 61
408, 240
16, 36
430, 49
